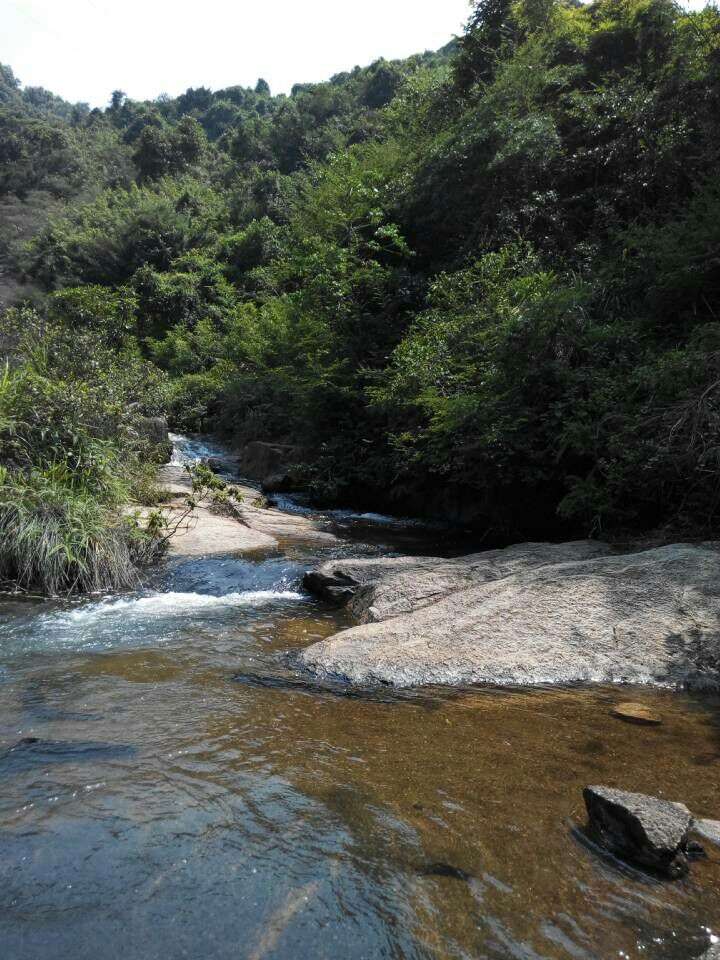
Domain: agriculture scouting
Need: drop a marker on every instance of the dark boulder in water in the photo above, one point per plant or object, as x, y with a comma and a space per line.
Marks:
643, 830
259, 459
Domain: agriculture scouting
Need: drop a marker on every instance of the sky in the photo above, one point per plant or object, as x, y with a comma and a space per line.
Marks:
82, 50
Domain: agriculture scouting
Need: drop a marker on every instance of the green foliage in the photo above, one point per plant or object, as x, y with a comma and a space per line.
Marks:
109, 239
159, 154
110, 313
483, 280
60, 540
71, 448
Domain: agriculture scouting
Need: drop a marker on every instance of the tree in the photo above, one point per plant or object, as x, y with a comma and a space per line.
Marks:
382, 84
117, 99
491, 27
187, 144
153, 154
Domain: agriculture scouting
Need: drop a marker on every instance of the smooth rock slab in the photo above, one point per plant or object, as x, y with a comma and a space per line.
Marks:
281, 526
643, 830
652, 616
205, 533
379, 588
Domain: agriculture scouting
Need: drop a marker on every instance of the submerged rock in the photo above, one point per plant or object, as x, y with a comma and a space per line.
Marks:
531, 614
643, 830
636, 713
446, 870
292, 683
34, 751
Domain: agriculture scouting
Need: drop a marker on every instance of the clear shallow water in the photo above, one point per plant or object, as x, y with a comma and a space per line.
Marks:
166, 810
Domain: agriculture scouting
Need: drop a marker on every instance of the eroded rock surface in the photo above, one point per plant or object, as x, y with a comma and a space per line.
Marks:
643, 830
534, 613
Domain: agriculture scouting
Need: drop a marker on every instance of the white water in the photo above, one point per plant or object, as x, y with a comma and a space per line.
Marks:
187, 450
166, 605
154, 618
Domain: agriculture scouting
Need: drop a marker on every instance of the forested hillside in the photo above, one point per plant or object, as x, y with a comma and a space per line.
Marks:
482, 283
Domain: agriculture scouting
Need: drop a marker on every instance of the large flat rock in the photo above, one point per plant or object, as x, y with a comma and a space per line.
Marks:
379, 588
206, 533
281, 526
533, 614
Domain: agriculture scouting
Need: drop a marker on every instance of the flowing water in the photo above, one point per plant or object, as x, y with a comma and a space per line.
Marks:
166, 793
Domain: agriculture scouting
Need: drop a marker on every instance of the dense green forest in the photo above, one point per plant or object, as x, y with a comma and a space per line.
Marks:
482, 283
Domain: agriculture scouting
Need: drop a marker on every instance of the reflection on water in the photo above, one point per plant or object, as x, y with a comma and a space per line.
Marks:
162, 810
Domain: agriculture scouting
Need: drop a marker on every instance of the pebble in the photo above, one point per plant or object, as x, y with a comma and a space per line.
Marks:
636, 713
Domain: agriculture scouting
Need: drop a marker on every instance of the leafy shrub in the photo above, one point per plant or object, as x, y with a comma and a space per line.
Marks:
72, 450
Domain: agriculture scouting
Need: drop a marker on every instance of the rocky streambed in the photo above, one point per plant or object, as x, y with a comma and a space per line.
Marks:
174, 786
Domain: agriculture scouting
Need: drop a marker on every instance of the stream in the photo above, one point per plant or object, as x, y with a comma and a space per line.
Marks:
158, 801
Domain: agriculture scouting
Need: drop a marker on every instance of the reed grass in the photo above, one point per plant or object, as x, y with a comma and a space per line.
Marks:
58, 541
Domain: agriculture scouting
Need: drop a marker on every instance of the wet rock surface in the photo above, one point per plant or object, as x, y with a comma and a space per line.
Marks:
643, 830
531, 614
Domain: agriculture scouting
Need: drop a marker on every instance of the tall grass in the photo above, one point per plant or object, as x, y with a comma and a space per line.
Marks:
71, 456
58, 541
